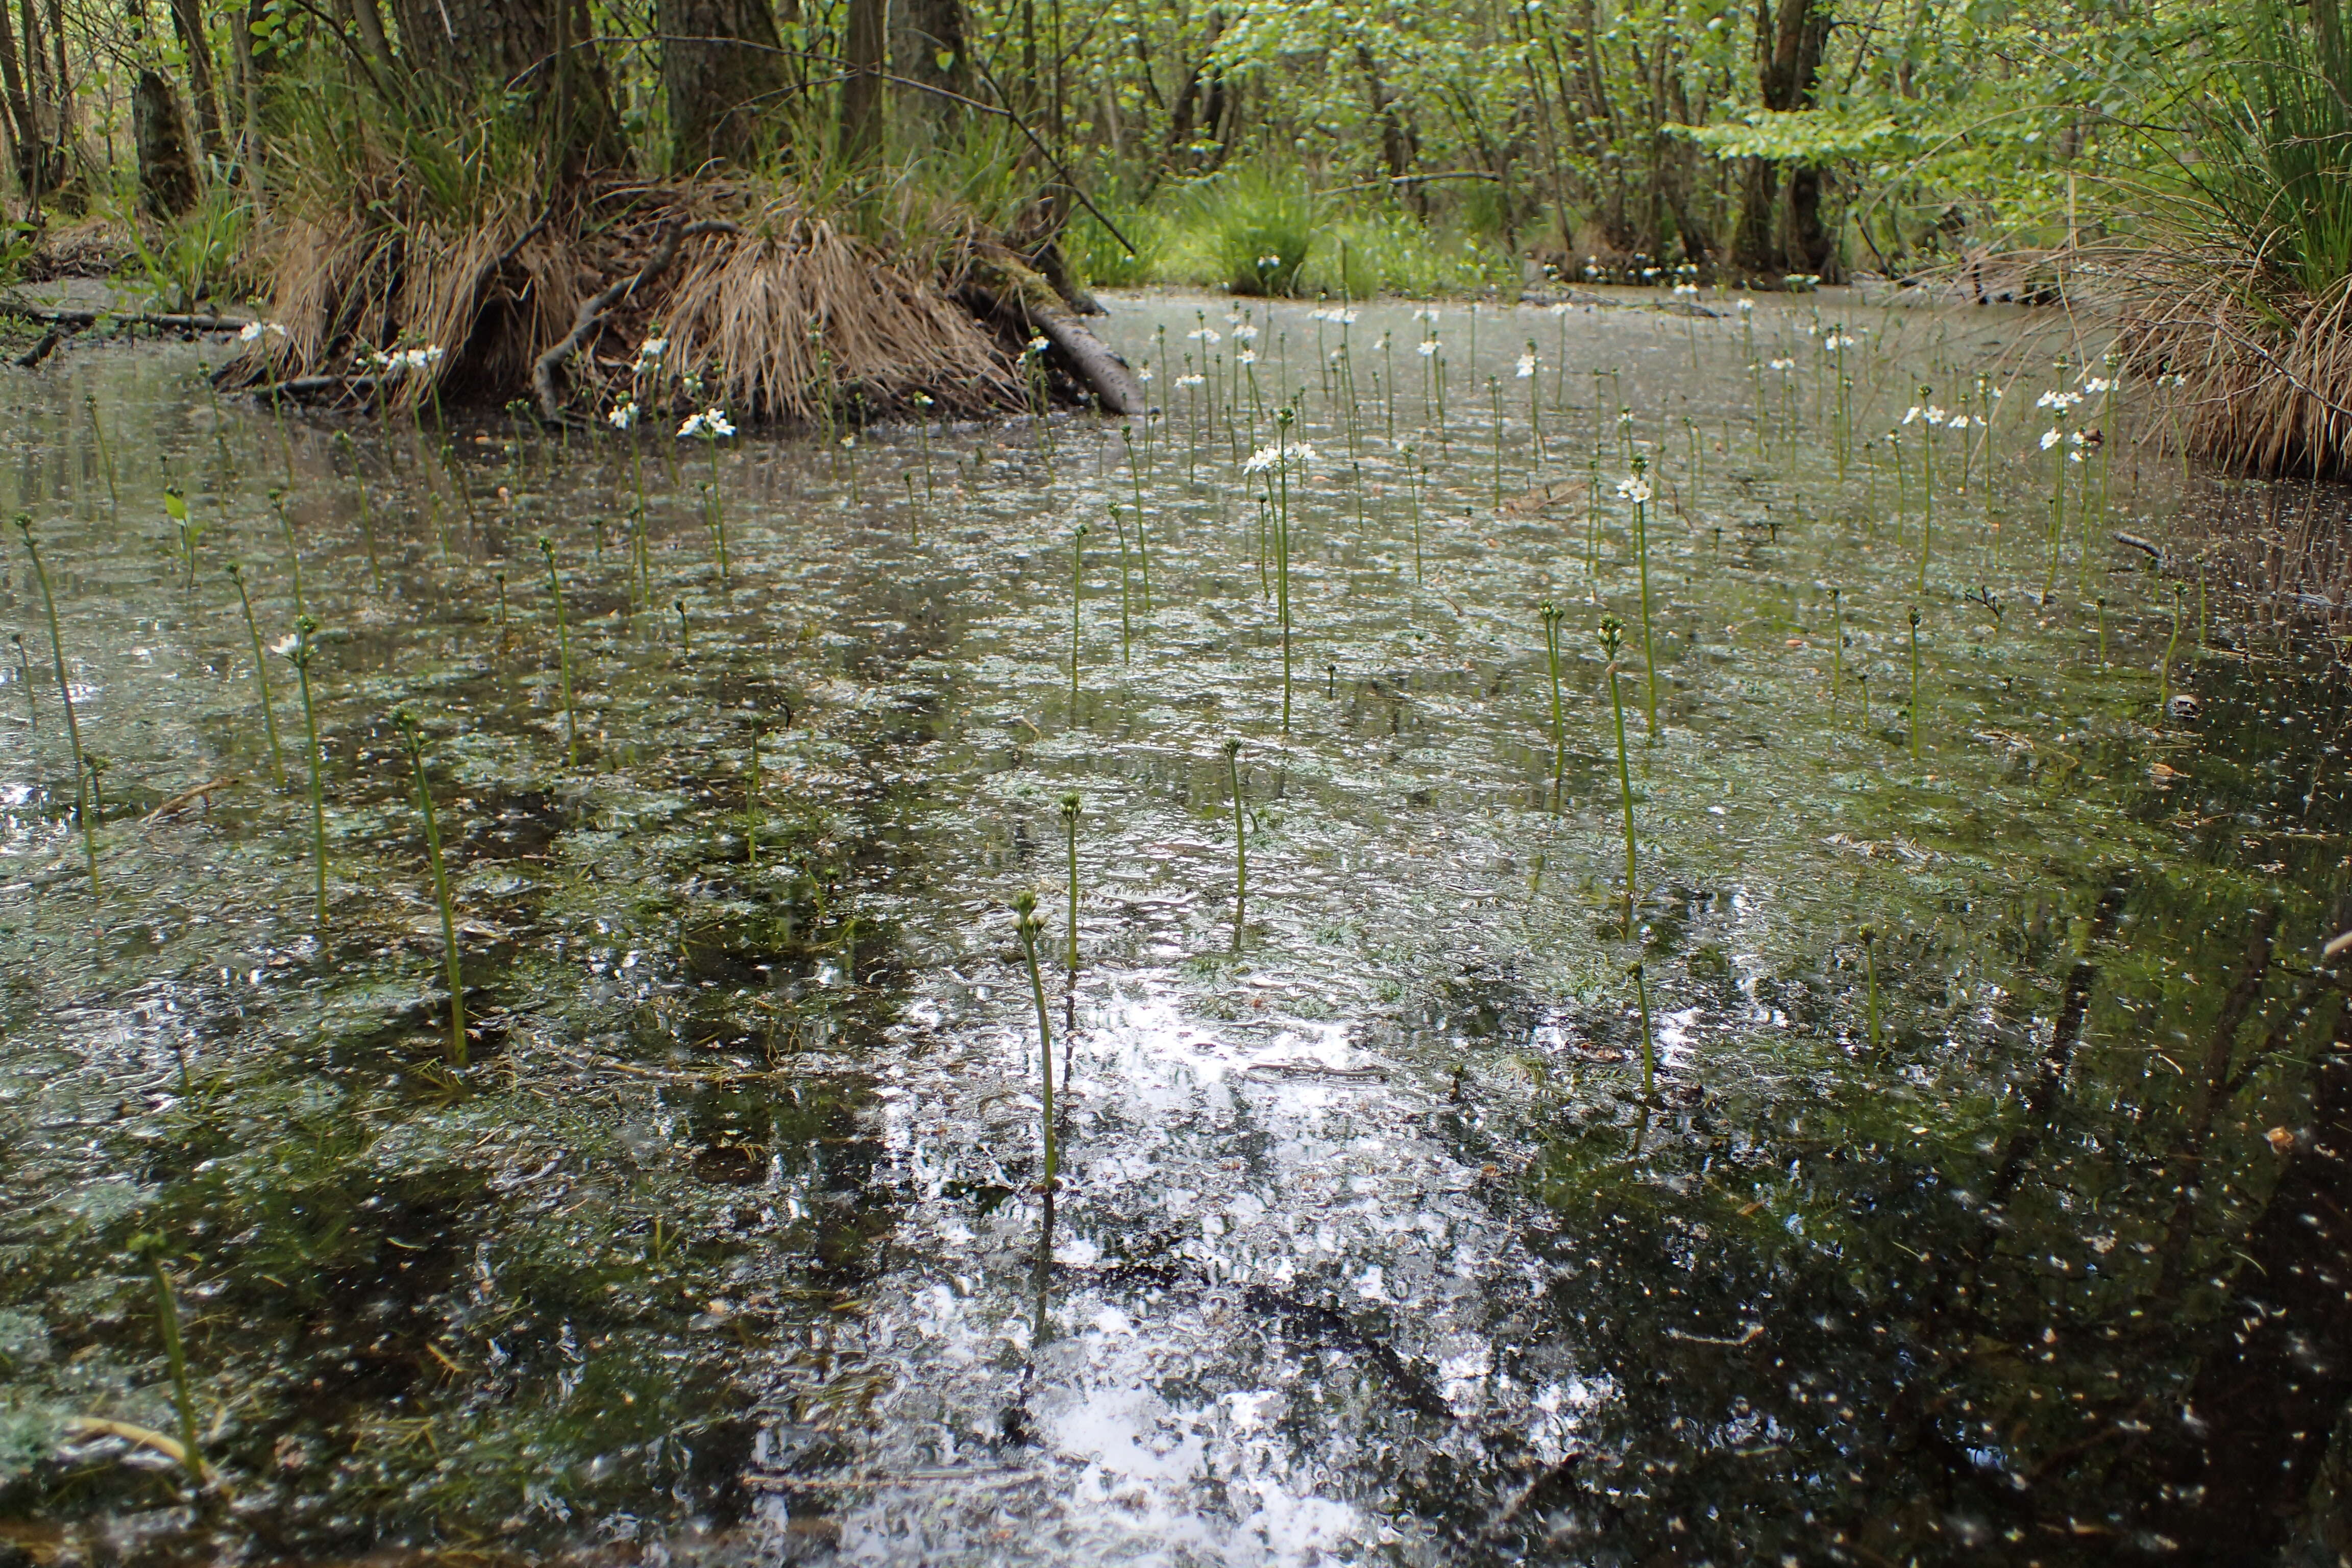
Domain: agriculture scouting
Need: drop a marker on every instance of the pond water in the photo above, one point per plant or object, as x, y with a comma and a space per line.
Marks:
1952, 1179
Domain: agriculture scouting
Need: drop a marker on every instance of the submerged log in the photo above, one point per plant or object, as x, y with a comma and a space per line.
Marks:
1004, 289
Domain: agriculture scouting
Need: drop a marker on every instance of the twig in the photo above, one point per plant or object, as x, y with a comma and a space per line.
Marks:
592, 313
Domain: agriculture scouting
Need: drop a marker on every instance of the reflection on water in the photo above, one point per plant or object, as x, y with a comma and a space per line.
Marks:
1987, 1202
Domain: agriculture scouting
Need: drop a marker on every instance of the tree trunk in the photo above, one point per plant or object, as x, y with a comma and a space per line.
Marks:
928, 42
543, 50
1788, 57
724, 72
188, 22
864, 45
167, 164
25, 129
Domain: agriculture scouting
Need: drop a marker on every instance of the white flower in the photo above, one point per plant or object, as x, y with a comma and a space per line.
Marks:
1204, 335
1687, 289
922, 400
1527, 366
1746, 307
1247, 356
2050, 438
2099, 383
1292, 455
252, 331
1912, 414
1836, 342
1959, 422
1625, 417
652, 349
623, 417
711, 423
1635, 490
286, 645
1935, 415
1245, 333
1784, 364
2060, 400
1426, 348
1192, 379
1559, 307
1038, 345
1143, 374
1425, 313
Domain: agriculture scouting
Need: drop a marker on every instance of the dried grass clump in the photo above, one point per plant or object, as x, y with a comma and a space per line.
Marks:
2268, 380
790, 319
794, 321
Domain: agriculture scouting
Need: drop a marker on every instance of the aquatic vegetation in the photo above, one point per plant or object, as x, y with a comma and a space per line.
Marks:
1637, 490
1028, 927
563, 650
65, 695
175, 1356
1070, 834
411, 733
1551, 615
299, 649
260, 675
1232, 749
1918, 716
1870, 980
1611, 644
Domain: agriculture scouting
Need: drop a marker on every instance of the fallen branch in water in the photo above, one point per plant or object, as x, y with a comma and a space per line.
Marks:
164, 321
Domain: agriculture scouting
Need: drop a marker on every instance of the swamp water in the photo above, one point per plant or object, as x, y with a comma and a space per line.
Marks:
1964, 1122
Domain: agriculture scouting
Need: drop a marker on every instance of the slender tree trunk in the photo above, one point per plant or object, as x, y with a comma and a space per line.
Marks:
724, 72
25, 129
930, 44
864, 50
188, 22
1788, 57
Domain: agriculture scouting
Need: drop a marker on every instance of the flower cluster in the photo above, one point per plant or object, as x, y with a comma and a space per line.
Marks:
1635, 490
1290, 454
252, 331
711, 423
2061, 401
624, 415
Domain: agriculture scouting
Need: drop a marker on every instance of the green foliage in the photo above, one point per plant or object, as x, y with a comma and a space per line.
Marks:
2269, 149
1249, 230
200, 257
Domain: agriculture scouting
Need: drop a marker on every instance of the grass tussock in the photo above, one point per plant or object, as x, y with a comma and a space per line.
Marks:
2242, 283
793, 320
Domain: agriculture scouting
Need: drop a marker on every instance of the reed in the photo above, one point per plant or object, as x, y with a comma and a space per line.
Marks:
563, 654
1611, 643
105, 453
298, 649
1070, 836
65, 695
1916, 717
1637, 490
1027, 924
1241, 838
1077, 595
260, 675
175, 1356
1552, 615
412, 741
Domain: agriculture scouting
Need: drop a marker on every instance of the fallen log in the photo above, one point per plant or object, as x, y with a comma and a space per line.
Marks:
165, 321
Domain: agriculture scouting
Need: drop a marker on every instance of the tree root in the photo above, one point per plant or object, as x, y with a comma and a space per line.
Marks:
543, 374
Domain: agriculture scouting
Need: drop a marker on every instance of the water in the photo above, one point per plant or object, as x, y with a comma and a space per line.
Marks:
727, 1242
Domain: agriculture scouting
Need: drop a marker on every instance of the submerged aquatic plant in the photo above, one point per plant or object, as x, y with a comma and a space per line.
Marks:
1241, 838
1552, 615
298, 650
1612, 641
1025, 922
260, 675
1637, 490
65, 695
564, 655
1070, 834
1870, 980
412, 741
149, 1246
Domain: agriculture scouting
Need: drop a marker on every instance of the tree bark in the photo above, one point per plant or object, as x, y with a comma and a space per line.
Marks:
544, 50
1789, 59
865, 49
23, 127
927, 41
724, 72
167, 164
188, 22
